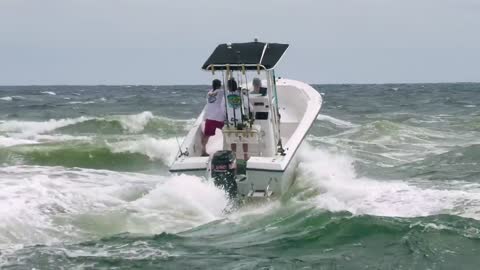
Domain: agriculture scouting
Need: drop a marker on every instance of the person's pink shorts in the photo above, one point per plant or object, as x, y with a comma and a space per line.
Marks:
210, 126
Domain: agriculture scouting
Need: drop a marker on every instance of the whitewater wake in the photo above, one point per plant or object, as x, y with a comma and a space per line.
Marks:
333, 179
46, 205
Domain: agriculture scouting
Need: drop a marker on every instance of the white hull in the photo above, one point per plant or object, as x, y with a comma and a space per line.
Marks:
266, 174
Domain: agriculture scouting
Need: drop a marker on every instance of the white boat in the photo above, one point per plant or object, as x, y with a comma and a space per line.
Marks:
277, 124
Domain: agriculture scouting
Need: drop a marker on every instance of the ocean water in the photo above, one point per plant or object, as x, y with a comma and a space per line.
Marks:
389, 178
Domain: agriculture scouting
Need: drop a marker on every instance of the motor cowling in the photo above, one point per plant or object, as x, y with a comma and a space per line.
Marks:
224, 171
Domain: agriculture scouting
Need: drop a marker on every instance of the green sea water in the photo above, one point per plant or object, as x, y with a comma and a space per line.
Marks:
389, 178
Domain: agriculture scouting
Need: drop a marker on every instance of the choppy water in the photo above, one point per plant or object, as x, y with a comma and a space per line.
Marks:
389, 179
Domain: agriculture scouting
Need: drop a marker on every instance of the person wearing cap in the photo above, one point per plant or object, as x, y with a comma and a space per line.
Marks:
257, 87
214, 113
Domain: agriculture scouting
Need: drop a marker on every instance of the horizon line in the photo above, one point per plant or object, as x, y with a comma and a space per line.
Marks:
201, 84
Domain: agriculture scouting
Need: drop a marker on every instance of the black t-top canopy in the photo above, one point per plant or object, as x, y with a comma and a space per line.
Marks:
250, 55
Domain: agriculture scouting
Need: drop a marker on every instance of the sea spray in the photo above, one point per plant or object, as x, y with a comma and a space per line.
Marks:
48, 205
340, 189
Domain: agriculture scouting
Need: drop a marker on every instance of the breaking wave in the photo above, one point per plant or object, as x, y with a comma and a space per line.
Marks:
12, 98
333, 184
45, 205
116, 124
143, 153
29, 128
51, 93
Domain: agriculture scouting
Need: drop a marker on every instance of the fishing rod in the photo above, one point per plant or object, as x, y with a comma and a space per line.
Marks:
181, 153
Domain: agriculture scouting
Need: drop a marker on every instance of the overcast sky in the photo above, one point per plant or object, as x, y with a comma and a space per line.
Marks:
166, 42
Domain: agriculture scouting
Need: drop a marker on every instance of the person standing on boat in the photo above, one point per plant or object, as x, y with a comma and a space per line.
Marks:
257, 87
214, 113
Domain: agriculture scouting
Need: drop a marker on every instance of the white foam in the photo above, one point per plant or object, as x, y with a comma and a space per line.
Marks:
8, 141
81, 102
30, 198
8, 98
49, 93
29, 128
335, 121
60, 138
161, 149
135, 123
180, 203
45, 205
339, 189
40, 138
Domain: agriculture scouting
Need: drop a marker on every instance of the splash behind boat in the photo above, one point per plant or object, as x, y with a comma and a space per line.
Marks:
275, 124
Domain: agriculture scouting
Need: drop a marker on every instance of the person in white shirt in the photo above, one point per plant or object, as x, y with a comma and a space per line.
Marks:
214, 113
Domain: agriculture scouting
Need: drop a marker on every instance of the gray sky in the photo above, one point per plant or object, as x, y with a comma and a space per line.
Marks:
166, 42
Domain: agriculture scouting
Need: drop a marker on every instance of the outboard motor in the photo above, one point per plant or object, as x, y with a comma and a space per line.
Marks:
224, 170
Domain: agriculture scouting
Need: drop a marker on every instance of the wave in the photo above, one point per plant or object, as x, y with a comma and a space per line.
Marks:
391, 143
155, 149
102, 99
134, 123
309, 239
45, 205
71, 212
29, 128
12, 98
116, 124
336, 187
335, 121
7, 141
461, 162
81, 102
51, 93
131, 155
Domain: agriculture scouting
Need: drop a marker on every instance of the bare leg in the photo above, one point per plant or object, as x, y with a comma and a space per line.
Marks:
245, 151
204, 144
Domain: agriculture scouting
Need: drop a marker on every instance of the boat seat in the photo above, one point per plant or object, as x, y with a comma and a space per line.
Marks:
251, 136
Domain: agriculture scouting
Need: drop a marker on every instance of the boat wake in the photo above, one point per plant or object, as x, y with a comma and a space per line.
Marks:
53, 204
335, 185
46, 205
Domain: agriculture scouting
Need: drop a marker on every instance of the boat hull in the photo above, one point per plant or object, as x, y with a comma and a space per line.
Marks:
257, 183
265, 183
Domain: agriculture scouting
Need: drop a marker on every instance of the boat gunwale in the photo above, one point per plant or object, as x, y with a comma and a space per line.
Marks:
308, 89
